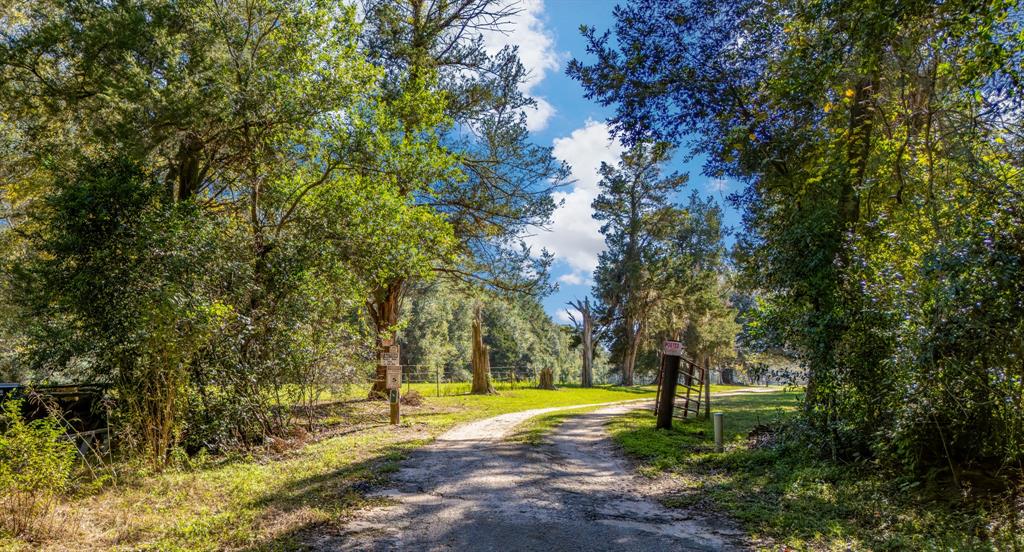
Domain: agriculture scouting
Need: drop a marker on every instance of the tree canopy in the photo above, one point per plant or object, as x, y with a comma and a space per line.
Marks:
879, 148
218, 206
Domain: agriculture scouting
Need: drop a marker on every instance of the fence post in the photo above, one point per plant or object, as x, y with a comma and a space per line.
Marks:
437, 379
667, 393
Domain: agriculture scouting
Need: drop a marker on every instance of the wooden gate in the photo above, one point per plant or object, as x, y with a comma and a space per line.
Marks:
690, 382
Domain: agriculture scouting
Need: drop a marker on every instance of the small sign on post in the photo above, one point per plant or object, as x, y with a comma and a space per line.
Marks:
672, 348
389, 356
389, 359
394, 377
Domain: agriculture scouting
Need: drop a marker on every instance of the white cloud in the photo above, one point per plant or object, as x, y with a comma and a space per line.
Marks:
717, 185
537, 117
563, 316
573, 235
527, 31
571, 278
585, 149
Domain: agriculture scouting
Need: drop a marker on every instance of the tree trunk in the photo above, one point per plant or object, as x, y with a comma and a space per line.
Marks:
384, 309
185, 175
547, 379
707, 387
629, 360
586, 328
481, 361
588, 347
858, 149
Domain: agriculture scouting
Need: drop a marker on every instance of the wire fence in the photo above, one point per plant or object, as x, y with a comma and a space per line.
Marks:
440, 382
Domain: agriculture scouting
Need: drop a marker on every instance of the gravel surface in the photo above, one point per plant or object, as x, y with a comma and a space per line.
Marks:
471, 490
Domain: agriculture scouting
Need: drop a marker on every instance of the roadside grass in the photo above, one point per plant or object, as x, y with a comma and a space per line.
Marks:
269, 499
472, 407
532, 431
793, 498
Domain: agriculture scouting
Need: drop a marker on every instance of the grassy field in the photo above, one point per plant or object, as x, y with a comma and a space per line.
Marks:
533, 430
266, 500
794, 498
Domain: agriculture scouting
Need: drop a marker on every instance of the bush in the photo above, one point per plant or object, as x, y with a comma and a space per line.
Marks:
412, 398
35, 470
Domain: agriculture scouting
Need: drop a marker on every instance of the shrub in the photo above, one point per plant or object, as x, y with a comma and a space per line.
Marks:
412, 398
35, 470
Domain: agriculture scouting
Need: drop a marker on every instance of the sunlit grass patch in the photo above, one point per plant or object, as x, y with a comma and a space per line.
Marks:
533, 430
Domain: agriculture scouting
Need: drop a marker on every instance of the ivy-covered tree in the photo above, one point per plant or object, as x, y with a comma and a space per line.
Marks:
695, 285
880, 148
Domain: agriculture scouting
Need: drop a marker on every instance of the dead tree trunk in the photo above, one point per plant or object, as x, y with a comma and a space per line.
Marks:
481, 361
586, 328
384, 309
547, 379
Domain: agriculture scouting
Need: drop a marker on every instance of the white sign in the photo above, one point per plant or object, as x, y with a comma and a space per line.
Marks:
394, 377
672, 348
389, 356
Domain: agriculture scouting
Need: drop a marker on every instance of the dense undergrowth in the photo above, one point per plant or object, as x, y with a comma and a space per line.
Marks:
786, 490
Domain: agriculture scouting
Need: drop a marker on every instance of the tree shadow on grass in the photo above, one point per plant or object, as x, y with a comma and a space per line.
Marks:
319, 502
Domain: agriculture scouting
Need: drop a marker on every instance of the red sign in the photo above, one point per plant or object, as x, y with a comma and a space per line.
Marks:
672, 348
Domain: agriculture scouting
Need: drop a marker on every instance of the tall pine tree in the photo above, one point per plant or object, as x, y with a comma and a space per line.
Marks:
635, 207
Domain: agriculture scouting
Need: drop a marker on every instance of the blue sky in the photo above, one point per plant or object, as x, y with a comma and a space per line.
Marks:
547, 34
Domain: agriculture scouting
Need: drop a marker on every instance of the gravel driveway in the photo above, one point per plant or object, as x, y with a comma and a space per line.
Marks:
471, 490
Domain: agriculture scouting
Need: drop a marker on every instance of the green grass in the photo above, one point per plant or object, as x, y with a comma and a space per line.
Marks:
267, 501
470, 407
792, 497
532, 431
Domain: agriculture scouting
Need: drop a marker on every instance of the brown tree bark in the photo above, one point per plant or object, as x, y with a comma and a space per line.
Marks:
481, 361
547, 379
186, 173
629, 358
384, 308
707, 387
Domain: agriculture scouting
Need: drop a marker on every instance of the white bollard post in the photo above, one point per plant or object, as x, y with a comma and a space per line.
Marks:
719, 424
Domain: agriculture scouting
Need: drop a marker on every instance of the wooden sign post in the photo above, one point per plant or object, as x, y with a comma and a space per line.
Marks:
671, 351
389, 359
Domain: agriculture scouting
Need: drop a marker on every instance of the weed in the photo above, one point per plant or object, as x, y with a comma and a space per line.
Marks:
35, 471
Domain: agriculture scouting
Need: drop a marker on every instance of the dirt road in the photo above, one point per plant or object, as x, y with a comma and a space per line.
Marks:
471, 490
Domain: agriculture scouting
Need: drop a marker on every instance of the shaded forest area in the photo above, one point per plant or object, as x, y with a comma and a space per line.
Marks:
879, 146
